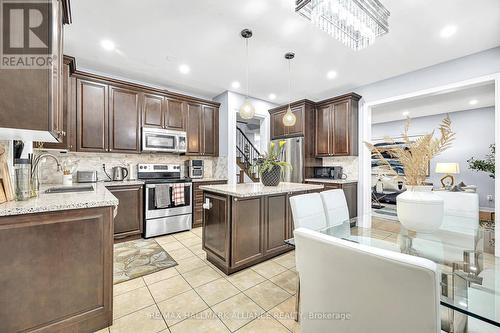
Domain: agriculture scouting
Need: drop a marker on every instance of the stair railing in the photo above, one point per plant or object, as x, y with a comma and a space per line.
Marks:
246, 151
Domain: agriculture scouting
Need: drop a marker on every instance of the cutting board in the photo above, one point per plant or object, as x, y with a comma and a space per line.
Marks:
8, 188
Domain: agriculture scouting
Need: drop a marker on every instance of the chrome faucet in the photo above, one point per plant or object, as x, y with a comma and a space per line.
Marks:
35, 181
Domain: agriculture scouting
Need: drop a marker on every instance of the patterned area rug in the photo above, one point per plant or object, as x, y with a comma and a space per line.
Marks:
139, 257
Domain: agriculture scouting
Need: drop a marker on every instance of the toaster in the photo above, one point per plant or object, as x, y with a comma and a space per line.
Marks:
86, 176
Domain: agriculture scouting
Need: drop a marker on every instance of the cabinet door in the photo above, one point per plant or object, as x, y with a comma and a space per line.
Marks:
210, 130
276, 226
351, 196
193, 129
298, 128
124, 120
341, 128
277, 127
152, 115
216, 221
174, 114
128, 220
246, 231
69, 114
323, 131
92, 116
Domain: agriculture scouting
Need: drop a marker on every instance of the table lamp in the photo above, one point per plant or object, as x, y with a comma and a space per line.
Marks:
449, 169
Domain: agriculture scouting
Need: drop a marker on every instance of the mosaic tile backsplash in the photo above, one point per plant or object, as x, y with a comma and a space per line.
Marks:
348, 163
215, 167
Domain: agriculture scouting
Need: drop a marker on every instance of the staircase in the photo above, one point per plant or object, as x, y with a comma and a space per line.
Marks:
246, 155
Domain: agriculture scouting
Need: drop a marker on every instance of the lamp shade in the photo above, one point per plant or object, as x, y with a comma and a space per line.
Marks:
448, 168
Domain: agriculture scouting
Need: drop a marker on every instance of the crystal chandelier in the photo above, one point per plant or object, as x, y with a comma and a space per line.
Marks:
356, 23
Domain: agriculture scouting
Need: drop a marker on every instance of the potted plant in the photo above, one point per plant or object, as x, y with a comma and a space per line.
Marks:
418, 208
270, 166
486, 165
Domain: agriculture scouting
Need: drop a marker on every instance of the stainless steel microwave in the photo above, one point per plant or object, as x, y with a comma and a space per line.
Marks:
162, 140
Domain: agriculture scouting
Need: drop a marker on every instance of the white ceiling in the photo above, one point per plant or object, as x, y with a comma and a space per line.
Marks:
154, 37
444, 102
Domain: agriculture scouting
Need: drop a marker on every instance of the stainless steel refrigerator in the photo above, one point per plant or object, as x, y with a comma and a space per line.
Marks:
294, 154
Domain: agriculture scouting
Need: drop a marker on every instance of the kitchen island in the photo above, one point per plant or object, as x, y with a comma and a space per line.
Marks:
245, 224
57, 262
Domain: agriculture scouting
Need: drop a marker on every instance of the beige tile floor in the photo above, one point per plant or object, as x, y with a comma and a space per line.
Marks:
197, 297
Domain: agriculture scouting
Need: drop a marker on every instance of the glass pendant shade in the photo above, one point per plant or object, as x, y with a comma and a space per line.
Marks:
247, 110
289, 118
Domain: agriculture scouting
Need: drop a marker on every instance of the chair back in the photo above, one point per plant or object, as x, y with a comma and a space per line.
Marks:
335, 206
308, 211
356, 288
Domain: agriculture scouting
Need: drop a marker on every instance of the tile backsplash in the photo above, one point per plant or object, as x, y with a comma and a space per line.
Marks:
214, 166
348, 163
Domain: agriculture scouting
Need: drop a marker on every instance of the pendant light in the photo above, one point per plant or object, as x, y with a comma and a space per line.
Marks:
247, 110
289, 118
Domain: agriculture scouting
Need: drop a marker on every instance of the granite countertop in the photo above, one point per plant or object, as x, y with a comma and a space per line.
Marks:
110, 183
208, 179
49, 202
257, 189
332, 181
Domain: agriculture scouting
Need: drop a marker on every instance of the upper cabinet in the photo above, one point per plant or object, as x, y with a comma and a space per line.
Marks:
336, 125
31, 98
163, 112
202, 129
124, 120
299, 109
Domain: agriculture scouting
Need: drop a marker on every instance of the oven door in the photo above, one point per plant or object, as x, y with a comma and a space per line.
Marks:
159, 140
173, 208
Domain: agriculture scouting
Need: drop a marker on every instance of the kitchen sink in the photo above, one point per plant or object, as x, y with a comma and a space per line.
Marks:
68, 189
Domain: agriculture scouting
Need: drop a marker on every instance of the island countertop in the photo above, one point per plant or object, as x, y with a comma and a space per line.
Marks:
49, 202
257, 189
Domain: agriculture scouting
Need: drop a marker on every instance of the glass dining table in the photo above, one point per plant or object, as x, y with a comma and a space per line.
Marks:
463, 251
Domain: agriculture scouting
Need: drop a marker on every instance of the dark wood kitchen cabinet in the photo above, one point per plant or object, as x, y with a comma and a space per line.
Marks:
30, 97
337, 126
242, 231
198, 199
129, 220
350, 192
202, 129
163, 112
124, 120
57, 271
91, 116
303, 111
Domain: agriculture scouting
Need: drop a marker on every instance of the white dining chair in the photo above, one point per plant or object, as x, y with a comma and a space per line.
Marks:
308, 211
350, 288
335, 206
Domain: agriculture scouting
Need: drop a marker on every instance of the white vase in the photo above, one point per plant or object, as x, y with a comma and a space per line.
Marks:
419, 209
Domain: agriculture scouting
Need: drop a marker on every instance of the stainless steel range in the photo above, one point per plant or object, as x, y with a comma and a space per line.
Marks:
167, 199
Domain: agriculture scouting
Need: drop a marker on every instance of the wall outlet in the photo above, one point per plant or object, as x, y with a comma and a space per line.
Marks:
489, 197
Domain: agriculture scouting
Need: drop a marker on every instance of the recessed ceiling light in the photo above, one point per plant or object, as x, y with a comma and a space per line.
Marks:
331, 75
473, 101
184, 69
107, 45
406, 113
448, 31
235, 84
272, 96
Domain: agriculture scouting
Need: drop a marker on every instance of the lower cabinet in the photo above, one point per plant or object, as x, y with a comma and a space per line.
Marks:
128, 222
350, 192
57, 271
241, 232
198, 200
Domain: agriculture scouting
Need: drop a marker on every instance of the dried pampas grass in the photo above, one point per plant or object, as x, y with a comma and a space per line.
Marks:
415, 155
